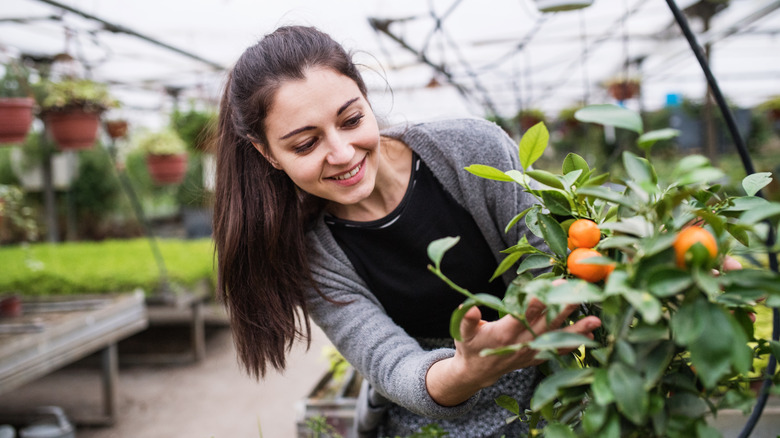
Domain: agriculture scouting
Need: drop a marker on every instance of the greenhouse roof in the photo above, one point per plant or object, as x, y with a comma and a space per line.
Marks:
423, 59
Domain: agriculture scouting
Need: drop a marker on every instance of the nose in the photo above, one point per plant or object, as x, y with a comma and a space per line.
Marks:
340, 151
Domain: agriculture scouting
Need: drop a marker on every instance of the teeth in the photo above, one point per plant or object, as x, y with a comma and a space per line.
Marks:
349, 174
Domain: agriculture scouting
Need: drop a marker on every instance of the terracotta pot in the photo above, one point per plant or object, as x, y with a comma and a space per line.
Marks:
11, 306
623, 90
116, 128
167, 169
73, 130
16, 117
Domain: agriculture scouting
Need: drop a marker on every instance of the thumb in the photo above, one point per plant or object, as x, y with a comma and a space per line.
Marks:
470, 323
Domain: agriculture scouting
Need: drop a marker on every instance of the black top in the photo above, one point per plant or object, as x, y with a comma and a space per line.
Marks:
390, 254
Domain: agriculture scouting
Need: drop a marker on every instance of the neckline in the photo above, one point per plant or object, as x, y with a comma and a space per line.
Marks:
391, 217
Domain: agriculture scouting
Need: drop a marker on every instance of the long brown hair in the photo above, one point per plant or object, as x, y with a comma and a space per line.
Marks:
260, 218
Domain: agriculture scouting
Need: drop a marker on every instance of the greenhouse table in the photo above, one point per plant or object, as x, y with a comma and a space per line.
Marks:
53, 333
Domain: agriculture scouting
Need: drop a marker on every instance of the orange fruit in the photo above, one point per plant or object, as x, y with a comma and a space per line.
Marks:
587, 271
691, 236
583, 233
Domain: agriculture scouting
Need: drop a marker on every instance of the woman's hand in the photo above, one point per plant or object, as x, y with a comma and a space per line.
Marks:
452, 381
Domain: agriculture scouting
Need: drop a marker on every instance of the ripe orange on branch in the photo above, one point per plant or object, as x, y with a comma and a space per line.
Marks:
691, 236
583, 233
587, 271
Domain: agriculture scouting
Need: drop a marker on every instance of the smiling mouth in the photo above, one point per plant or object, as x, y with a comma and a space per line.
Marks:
349, 174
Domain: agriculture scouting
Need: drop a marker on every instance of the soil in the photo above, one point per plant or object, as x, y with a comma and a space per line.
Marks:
213, 398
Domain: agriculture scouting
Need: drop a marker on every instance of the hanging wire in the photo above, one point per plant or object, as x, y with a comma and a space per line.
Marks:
584, 59
749, 169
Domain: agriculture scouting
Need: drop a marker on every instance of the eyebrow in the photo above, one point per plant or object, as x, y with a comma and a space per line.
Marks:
341, 109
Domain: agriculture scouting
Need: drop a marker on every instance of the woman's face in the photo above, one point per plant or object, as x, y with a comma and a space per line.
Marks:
322, 132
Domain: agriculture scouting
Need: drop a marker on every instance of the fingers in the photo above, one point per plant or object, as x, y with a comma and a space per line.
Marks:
470, 323
731, 264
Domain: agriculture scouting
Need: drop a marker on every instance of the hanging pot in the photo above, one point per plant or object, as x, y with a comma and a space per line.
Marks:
116, 128
73, 129
167, 169
623, 90
16, 116
561, 5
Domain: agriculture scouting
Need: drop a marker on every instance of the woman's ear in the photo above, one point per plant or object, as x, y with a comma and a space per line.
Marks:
267, 155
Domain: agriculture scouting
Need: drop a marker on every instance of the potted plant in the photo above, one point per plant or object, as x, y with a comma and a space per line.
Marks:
71, 109
529, 117
116, 128
166, 155
623, 88
647, 255
772, 108
16, 104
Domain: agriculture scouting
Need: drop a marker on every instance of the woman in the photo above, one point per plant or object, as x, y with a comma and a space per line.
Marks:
320, 215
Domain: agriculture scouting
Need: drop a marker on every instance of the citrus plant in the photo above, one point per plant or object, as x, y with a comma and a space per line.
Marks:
645, 254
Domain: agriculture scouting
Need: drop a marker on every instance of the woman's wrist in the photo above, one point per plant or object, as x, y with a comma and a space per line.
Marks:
449, 383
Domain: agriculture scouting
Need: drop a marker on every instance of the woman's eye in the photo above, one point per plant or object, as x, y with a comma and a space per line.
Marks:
353, 121
300, 149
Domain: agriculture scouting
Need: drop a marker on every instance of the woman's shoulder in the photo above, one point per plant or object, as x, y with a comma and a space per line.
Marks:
468, 127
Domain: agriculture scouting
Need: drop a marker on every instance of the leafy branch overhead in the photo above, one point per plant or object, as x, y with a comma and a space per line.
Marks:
677, 341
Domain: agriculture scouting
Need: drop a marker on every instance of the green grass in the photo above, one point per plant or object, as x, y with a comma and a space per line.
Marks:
107, 266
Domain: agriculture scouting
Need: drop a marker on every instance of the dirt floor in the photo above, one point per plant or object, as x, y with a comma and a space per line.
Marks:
210, 399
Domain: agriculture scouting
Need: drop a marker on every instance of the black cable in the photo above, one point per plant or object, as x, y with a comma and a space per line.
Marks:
748, 165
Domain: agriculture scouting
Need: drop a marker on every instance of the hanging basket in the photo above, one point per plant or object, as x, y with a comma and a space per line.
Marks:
116, 128
74, 129
623, 90
16, 116
167, 169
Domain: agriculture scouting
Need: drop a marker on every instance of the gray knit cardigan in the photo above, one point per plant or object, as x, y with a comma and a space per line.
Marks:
392, 361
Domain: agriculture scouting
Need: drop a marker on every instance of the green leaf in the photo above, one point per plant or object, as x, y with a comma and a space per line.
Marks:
630, 395
746, 203
505, 264
556, 202
488, 172
667, 282
700, 175
518, 177
570, 178
553, 234
532, 222
546, 178
639, 169
648, 139
547, 390
687, 404
516, 219
532, 144
574, 162
655, 364
457, 317
534, 261
606, 194
721, 345
770, 210
597, 180
555, 340
437, 248
688, 163
755, 182
595, 415
647, 305
573, 292
611, 115
602, 393
558, 430
508, 403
